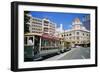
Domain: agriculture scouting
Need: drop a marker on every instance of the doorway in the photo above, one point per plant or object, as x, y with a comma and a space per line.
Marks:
36, 45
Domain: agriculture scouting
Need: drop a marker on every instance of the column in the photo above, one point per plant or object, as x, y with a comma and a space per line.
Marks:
27, 39
40, 45
33, 46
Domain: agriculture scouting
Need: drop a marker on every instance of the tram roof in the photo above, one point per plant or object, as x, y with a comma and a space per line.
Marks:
46, 36
32, 34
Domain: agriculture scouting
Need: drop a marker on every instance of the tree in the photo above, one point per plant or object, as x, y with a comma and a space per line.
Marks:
26, 20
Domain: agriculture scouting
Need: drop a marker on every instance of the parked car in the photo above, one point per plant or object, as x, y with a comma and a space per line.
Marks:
78, 46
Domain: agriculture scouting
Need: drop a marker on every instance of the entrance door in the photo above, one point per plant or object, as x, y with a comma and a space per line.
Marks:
36, 45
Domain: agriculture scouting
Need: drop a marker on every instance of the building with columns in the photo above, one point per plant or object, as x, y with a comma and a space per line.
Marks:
78, 35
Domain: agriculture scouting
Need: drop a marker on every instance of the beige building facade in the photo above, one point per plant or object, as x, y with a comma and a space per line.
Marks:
41, 26
78, 35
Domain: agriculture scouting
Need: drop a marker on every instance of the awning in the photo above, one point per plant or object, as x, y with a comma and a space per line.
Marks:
50, 37
56, 38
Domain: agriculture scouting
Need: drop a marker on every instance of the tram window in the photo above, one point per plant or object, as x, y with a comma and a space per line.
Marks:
43, 43
60, 42
31, 38
25, 40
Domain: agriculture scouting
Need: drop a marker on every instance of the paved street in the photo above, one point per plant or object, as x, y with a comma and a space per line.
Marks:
74, 53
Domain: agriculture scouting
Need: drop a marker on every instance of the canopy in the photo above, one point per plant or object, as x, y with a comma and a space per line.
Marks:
50, 37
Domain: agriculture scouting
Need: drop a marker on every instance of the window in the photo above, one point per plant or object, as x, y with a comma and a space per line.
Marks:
83, 34
70, 34
45, 29
62, 35
70, 38
77, 33
31, 38
77, 41
87, 34
78, 38
60, 42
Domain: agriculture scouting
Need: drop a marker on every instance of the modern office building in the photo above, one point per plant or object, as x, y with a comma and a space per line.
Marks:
35, 25
78, 35
41, 26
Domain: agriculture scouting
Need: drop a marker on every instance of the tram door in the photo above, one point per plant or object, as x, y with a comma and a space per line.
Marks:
36, 45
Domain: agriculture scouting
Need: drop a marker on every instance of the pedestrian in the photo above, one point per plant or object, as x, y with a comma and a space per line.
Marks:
30, 44
30, 41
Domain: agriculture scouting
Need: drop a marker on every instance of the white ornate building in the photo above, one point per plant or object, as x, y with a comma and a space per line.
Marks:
78, 35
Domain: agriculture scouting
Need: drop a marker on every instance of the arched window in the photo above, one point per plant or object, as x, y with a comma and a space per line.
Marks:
83, 34
70, 34
77, 33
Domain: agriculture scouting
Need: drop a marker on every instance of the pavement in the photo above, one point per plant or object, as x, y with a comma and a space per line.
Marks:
74, 53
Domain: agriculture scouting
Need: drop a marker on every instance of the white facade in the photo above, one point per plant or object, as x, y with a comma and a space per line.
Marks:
78, 35
41, 26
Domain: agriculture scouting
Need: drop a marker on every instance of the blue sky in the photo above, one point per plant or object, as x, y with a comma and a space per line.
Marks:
59, 18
